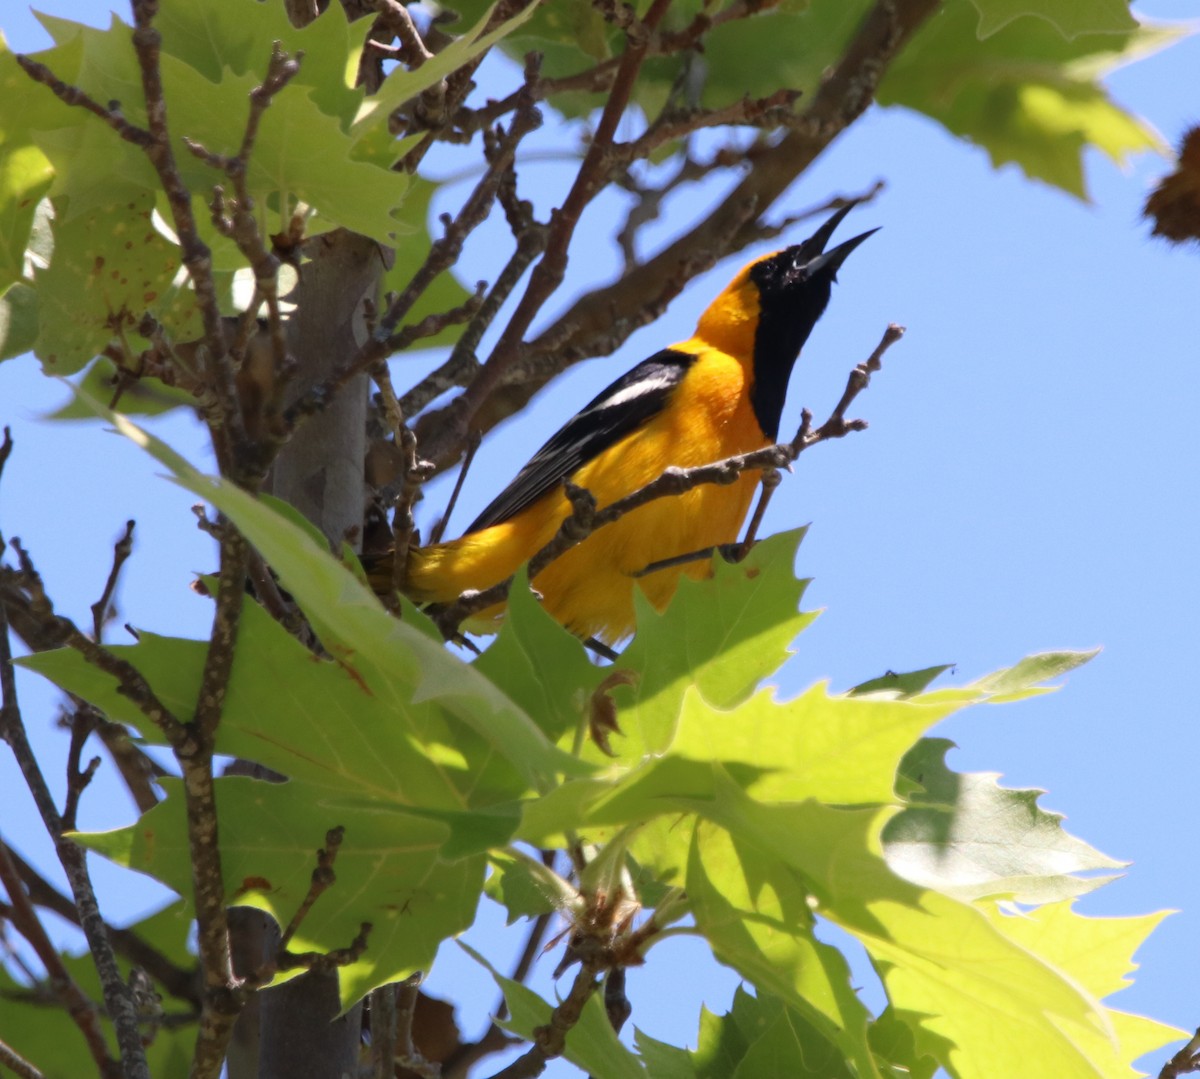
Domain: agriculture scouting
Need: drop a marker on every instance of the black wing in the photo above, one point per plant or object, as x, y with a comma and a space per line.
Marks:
629, 402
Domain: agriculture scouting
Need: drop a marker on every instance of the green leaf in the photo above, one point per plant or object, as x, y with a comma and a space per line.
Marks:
402, 86
18, 320
25, 174
144, 396
1098, 954
300, 153
835, 749
786, 1045
110, 266
49, 1037
385, 663
391, 871
907, 684
755, 913
540, 665
664, 1061
526, 888
1070, 17
1026, 94
1024, 678
236, 35
592, 1044
894, 1042
966, 836
1002, 1009
723, 635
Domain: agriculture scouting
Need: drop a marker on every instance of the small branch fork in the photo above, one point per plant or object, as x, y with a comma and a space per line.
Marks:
585, 518
1185, 1062
118, 998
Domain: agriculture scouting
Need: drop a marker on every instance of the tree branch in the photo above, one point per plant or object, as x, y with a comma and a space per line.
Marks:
600, 320
117, 997
83, 1012
17, 1064
177, 981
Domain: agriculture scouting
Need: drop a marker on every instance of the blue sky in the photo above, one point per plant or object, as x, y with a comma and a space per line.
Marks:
1028, 482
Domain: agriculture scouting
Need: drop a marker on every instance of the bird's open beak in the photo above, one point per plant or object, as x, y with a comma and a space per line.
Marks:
832, 260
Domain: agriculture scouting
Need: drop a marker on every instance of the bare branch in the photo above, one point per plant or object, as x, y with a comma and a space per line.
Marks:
550, 1040
178, 981
117, 997
600, 320
323, 877
100, 609
548, 273
83, 1012
132, 684
17, 1064
73, 95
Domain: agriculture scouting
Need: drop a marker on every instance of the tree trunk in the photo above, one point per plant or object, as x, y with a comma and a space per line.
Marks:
320, 472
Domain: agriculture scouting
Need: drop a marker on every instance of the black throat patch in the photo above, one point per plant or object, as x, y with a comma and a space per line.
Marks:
790, 303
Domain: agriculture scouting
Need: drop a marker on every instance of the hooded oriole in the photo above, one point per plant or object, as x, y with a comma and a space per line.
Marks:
719, 393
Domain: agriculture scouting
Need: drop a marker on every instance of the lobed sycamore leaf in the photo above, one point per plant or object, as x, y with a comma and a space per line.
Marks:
300, 154
387, 659
1069, 17
392, 871
759, 1038
723, 636
110, 267
1098, 954
1025, 93
754, 911
526, 888
236, 36
968, 837
906, 684
540, 665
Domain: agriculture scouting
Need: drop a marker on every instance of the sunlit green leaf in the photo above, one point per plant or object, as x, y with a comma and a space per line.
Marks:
966, 836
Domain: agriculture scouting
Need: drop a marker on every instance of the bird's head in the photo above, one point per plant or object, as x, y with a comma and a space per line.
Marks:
767, 311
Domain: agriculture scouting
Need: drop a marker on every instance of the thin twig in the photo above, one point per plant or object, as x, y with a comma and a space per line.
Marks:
121, 551
83, 1012
413, 473
17, 1064
83, 722
598, 321
323, 878
223, 997
117, 997
548, 273
1185, 1061
180, 982
439, 529
550, 1040
462, 364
